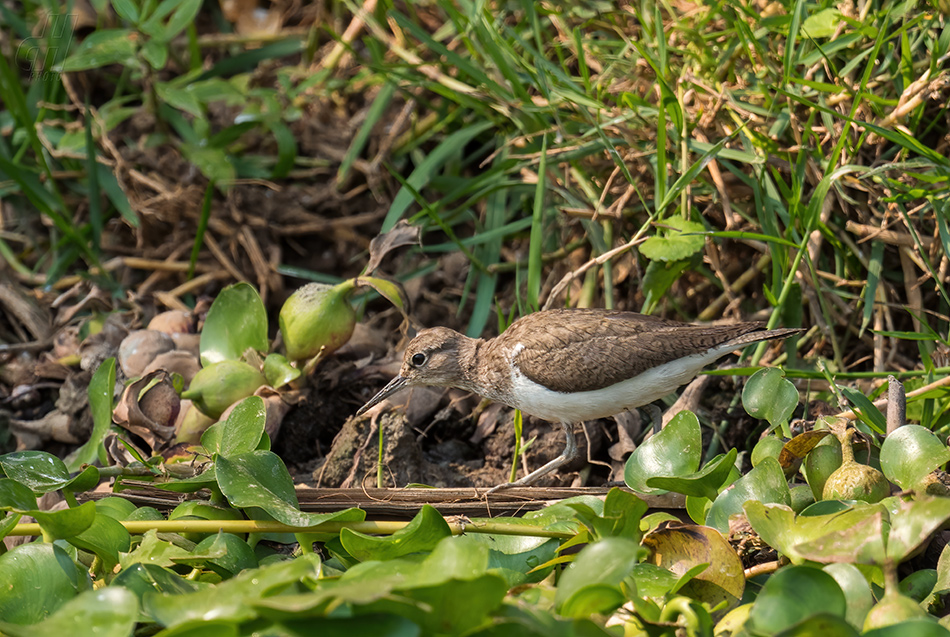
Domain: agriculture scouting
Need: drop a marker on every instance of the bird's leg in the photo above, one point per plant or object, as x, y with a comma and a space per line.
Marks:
570, 453
656, 416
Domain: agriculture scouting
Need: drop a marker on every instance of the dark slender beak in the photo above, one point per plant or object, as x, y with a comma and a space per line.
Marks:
391, 388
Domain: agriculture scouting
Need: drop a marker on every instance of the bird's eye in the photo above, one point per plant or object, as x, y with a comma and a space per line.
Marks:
418, 360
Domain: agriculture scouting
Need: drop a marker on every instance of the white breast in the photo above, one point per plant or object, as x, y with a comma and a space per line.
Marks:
571, 407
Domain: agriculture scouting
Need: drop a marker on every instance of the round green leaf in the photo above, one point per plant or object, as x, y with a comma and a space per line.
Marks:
795, 593
66, 523
115, 507
591, 583
107, 612
675, 451
224, 553
237, 321
260, 479
241, 432
704, 483
40, 471
425, 530
105, 537
37, 579
909, 454
857, 591
278, 371
768, 395
15, 496
765, 483
915, 627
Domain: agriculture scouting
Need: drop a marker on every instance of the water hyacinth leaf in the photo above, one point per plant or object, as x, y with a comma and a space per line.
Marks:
236, 322
260, 479
592, 582
673, 452
698, 507
115, 507
40, 471
66, 523
240, 433
101, 393
622, 512
16, 497
704, 483
822, 624
519, 559
317, 318
232, 599
913, 524
653, 580
106, 538
38, 579
924, 627
7, 523
820, 463
425, 530
278, 371
153, 550
376, 624
943, 577
224, 553
85, 480
780, 528
857, 591
919, 585
861, 543
769, 396
764, 483
767, 446
908, 455
458, 606
151, 578
107, 612
684, 547
219, 385
795, 593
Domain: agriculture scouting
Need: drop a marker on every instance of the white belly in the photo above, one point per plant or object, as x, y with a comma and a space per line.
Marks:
539, 401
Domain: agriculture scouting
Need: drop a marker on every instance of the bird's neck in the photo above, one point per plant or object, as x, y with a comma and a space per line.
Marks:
468, 355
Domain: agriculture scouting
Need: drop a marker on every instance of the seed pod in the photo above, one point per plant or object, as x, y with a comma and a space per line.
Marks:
853, 480
820, 463
217, 386
893, 608
315, 317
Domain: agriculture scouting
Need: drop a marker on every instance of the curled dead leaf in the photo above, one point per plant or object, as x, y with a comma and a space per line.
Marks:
149, 408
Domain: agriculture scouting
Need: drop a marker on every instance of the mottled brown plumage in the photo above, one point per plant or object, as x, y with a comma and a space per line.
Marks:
613, 346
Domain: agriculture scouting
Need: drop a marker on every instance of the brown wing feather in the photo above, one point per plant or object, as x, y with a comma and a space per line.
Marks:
610, 346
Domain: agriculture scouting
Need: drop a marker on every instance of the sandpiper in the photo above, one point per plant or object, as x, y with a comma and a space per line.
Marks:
572, 365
